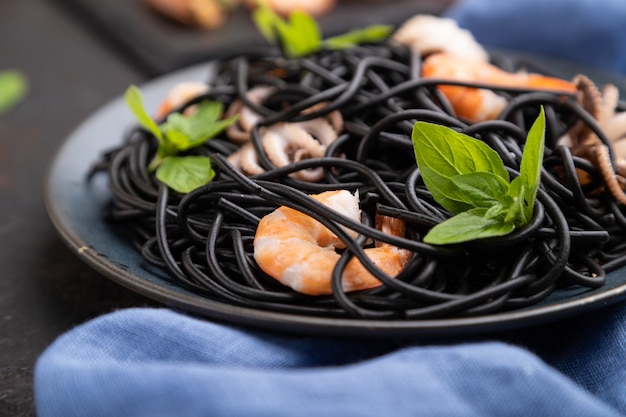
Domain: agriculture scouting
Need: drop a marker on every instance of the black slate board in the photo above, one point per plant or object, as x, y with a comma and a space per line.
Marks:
158, 45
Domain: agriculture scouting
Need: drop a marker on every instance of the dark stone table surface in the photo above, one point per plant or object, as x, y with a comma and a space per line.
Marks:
44, 288
74, 66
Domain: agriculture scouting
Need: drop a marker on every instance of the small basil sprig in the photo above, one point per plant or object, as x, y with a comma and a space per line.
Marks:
177, 134
469, 179
369, 34
300, 35
13, 88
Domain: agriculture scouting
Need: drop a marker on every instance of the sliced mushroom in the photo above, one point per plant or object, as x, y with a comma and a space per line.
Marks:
240, 132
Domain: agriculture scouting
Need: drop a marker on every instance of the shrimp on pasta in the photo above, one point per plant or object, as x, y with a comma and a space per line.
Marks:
300, 252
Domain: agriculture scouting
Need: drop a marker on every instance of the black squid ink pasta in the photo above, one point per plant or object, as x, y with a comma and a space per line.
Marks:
204, 239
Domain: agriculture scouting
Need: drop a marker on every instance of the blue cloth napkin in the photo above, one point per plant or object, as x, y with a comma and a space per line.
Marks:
589, 32
155, 362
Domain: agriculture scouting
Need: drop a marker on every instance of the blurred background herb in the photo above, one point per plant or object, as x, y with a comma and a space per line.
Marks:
13, 89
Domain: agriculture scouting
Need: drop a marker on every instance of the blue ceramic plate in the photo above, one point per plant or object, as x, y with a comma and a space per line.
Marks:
75, 206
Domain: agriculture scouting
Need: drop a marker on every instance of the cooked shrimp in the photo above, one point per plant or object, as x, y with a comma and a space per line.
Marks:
429, 34
475, 104
299, 252
285, 7
179, 95
208, 14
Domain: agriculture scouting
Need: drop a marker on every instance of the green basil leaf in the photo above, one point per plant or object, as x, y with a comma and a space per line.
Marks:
532, 162
370, 34
454, 153
443, 153
134, 101
468, 178
207, 112
302, 36
205, 123
213, 130
444, 191
299, 36
517, 212
13, 89
482, 189
184, 132
185, 173
266, 21
175, 136
497, 211
470, 225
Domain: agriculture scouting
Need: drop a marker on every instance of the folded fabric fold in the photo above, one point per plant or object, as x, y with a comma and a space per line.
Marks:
155, 362
589, 32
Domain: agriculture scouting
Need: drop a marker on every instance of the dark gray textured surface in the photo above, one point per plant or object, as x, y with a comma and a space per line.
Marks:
44, 288
160, 46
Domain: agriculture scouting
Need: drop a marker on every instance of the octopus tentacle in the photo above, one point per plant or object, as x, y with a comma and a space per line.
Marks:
603, 161
586, 144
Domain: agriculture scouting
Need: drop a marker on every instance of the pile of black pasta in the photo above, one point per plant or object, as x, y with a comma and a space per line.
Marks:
204, 239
